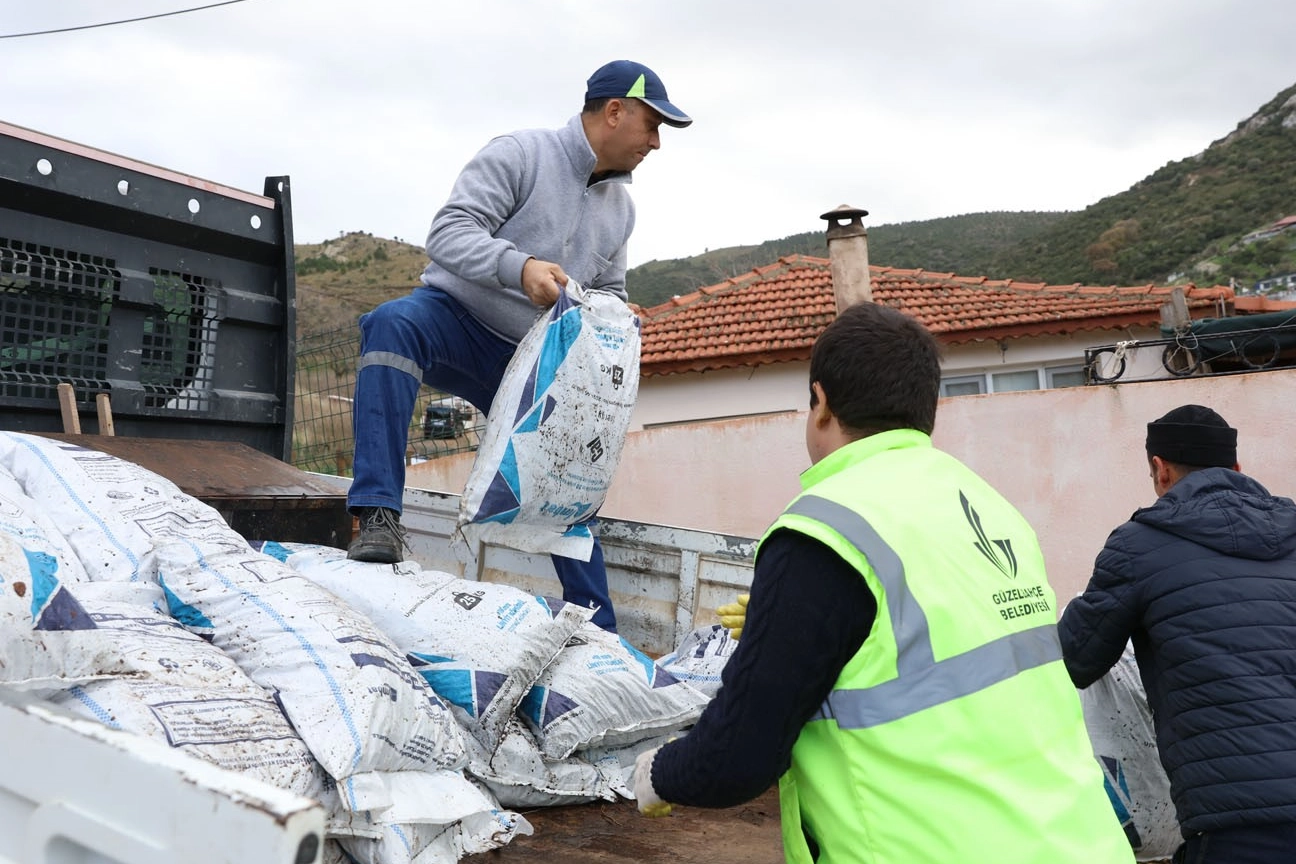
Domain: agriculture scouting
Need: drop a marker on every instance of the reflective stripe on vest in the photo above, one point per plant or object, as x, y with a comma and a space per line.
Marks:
921, 681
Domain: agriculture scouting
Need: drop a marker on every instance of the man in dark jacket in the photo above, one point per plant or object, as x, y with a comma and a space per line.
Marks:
1204, 584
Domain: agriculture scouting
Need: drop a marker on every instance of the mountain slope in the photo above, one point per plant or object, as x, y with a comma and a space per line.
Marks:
962, 244
1189, 210
341, 279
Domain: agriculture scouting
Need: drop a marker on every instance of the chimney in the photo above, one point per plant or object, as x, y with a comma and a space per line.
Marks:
1174, 314
848, 252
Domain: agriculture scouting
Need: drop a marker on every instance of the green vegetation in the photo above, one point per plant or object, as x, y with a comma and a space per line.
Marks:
1191, 212
953, 244
341, 279
1246, 265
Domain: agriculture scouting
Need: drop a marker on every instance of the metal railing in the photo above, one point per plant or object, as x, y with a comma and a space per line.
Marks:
322, 434
1188, 353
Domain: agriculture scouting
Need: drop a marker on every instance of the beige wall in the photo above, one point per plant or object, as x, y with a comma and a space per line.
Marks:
1072, 459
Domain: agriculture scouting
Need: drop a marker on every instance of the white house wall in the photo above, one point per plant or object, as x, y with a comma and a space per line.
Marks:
776, 387
721, 393
1026, 353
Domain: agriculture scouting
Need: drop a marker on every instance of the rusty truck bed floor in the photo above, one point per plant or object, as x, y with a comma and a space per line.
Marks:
613, 831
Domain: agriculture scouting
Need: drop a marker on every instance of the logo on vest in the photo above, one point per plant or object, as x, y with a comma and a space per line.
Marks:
998, 552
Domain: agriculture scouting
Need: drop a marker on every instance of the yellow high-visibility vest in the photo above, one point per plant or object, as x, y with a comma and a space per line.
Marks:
954, 734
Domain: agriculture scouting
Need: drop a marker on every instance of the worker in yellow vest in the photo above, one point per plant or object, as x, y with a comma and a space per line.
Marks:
899, 671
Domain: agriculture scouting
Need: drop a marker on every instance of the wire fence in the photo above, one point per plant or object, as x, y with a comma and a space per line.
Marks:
322, 434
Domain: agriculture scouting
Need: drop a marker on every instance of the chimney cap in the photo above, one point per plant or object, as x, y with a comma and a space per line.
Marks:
844, 211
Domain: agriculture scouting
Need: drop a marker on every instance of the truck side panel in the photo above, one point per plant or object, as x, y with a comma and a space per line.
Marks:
665, 581
173, 295
73, 790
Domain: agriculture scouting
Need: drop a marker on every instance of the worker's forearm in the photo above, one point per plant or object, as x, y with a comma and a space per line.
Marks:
809, 613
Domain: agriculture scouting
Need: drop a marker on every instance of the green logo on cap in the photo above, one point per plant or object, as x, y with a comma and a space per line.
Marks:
637, 89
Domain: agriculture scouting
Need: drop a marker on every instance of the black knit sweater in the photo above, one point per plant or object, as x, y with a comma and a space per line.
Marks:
808, 615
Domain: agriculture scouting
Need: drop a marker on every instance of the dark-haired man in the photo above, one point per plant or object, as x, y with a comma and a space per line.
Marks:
531, 209
1204, 583
899, 665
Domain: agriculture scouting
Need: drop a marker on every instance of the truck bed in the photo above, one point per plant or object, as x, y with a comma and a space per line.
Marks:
665, 581
611, 832
614, 831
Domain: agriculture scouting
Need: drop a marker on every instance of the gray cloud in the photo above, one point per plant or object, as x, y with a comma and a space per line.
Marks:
913, 109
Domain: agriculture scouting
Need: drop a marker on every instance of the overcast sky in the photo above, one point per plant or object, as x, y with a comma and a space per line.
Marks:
911, 109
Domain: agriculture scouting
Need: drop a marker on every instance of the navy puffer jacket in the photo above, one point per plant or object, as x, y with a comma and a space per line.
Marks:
1204, 583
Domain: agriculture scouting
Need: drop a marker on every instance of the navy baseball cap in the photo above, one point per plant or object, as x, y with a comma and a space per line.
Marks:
623, 79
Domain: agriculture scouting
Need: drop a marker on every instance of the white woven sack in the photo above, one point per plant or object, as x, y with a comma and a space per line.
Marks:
48, 640
618, 763
519, 776
556, 428
31, 523
111, 511
485, 828
700, 658
191, 696
1120, 728
347, 689
479, 645
602, 691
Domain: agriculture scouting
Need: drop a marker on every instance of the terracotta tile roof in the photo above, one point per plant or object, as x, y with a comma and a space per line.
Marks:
1253, 304
773, 313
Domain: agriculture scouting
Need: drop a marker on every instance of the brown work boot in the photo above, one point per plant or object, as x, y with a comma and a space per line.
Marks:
381, 539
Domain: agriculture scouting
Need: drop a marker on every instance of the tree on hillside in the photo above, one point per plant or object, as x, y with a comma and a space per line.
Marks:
1102, 254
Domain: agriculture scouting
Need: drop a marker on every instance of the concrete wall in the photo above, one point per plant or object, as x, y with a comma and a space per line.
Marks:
1071, 459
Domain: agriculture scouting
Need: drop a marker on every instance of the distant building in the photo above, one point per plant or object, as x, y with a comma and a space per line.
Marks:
1276, 283
1283, 224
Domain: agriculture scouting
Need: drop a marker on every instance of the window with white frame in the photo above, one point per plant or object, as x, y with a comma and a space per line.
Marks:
1013, 380
1064, 376
962, 385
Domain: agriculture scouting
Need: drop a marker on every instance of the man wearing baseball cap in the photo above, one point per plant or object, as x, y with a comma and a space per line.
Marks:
628, 79
529, 211
1204, 583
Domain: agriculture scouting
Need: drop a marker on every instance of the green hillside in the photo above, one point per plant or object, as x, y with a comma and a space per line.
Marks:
1183, 222
963, 244
341, 279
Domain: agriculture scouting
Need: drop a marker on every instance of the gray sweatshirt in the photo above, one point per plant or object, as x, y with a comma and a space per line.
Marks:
528, 195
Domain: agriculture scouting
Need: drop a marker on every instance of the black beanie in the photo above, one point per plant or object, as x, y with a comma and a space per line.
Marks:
1193, 435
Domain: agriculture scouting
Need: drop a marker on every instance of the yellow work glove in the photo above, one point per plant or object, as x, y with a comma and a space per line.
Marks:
733, 616
650, 804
